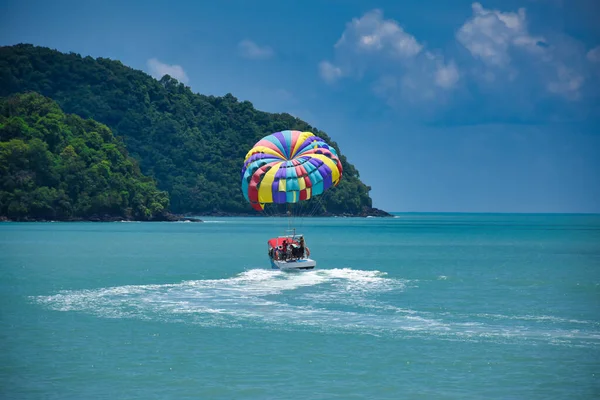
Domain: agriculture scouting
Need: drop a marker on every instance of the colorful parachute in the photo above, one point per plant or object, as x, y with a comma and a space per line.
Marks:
287, 167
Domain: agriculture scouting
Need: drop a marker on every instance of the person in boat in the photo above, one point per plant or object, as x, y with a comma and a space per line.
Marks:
278, 252
301, 249
295, 249
284, 249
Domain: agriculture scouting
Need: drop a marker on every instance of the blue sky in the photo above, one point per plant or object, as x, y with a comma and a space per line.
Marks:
457, 106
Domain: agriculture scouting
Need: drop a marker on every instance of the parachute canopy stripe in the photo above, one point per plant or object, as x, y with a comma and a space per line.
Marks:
287, 167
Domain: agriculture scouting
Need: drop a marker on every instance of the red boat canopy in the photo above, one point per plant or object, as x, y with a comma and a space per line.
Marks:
275, 242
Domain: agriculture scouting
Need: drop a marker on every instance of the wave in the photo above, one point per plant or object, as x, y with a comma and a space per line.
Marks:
333, 300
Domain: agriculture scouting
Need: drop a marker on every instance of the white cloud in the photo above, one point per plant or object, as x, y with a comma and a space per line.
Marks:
594, 55
426, 81
158, 69
502, 41
565, 69
249, 49
507, 67
372, 33
490, 34
329, 72
446, 76
567, 83
372, 45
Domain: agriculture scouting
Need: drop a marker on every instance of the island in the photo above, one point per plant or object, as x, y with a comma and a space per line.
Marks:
93, 139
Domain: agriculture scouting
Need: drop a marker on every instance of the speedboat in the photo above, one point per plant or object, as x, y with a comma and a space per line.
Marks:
290, 253
285, 168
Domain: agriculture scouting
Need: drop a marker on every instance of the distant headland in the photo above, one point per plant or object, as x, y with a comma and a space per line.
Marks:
87, 139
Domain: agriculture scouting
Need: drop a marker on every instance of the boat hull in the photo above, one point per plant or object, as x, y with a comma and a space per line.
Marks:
299, 264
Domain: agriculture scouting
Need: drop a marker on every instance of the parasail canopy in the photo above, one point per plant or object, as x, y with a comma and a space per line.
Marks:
288, 167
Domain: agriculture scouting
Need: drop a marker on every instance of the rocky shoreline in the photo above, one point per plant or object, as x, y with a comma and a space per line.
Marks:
168, 217
366, 212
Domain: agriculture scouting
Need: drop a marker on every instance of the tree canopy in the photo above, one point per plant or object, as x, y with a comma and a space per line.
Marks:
58, 166
192, 145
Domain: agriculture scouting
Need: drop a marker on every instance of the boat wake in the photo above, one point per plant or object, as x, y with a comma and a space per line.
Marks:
331, 301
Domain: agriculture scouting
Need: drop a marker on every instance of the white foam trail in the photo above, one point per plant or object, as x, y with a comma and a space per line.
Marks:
252, 295
331, 300
539, 318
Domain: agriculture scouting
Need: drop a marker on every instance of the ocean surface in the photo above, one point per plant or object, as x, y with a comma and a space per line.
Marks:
421, 306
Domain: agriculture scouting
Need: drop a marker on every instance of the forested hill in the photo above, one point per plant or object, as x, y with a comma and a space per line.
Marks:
192, 145
60, 167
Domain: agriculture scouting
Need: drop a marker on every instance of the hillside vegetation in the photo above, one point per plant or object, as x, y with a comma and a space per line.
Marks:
58, 166
192, 145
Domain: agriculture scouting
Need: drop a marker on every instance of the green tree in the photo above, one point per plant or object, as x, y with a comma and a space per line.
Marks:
57, 166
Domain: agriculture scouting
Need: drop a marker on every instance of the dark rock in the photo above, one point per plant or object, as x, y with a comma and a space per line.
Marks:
374, 212
190, 219
168, 217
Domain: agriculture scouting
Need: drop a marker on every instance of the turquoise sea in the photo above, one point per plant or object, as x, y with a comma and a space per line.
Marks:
421, 306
